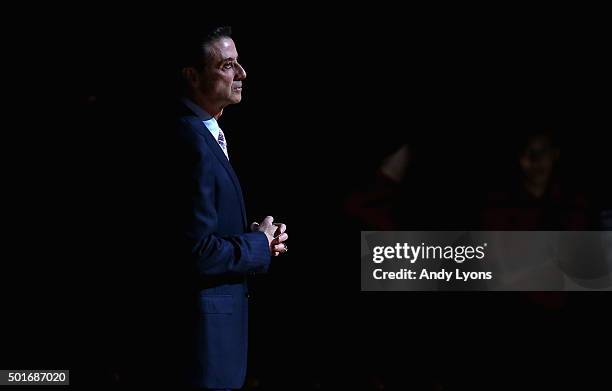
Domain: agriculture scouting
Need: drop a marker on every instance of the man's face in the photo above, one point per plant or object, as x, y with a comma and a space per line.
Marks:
538, 159
221, 79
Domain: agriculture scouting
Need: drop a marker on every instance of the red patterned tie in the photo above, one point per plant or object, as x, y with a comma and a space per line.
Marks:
222, 143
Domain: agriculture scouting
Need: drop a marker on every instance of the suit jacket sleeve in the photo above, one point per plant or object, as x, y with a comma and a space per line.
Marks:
217, 247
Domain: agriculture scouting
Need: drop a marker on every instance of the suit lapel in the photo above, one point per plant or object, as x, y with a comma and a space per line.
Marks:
218, 152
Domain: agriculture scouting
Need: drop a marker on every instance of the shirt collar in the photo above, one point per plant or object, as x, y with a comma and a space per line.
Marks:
209, 121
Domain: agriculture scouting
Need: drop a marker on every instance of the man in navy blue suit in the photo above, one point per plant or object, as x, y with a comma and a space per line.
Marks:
208, 210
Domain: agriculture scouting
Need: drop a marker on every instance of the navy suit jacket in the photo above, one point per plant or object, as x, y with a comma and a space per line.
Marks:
216, 251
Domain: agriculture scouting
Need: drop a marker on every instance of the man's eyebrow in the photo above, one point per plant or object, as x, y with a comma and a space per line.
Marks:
229, 59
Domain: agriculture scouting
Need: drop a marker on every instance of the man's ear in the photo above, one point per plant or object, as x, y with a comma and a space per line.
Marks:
190, 75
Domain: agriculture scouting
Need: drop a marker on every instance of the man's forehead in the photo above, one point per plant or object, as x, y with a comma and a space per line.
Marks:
224, 48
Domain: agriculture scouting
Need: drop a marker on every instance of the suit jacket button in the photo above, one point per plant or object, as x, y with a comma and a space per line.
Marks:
248, 295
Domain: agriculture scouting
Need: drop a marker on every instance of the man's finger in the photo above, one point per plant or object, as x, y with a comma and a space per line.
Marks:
281, 238
281, 227
279, 248
254, 226
268, 220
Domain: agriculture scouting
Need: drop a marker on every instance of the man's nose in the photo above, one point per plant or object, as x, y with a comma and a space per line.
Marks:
241, 73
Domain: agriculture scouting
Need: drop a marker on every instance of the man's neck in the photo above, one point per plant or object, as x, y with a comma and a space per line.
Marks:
536, 190
210, 109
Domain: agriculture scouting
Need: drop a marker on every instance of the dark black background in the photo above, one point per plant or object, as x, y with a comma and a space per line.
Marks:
325, 98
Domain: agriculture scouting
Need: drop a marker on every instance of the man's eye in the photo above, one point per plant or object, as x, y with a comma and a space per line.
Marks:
229, 65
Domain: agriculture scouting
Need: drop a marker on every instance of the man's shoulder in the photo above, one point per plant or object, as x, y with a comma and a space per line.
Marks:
189, 128
189, 136
173, 125
184, 119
